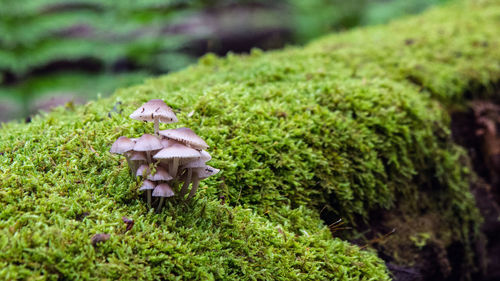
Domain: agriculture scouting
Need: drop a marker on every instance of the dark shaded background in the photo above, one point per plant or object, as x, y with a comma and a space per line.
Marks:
53, 52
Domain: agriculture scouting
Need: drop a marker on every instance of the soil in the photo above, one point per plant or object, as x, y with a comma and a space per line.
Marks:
478, 130
414, 238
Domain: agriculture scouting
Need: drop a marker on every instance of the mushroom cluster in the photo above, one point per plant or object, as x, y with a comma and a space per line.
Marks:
168, 161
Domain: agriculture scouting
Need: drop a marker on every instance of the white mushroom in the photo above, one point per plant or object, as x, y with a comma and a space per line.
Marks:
143, 171
175, 152
199, 174
199, 163
137, 158
160, 175
147, 143
148, 186
162, 190
123, 145
179, 155
186, 136
156, 111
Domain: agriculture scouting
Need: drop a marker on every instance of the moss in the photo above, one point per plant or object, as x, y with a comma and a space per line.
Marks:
354, 122
205, 242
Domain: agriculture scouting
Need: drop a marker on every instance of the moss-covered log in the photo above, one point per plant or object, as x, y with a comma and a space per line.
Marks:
354, 122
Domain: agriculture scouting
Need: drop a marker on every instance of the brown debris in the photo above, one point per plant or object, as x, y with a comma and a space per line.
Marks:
336, 226
81, 216
128, 222
98, 238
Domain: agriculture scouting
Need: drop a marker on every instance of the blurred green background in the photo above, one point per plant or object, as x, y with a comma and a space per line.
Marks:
53, 52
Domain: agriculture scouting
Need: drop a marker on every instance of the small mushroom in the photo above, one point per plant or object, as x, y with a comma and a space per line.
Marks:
199, 163
186, 136
162, 190
137, 158
175, 152
160, 175
148, 186
199, 174
187, 182
205, 156
147, 143
143, 171
156, 111
167, 142
179, 154
123, 145
99, 238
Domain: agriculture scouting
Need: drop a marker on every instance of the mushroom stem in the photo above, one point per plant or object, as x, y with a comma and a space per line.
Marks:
135, 166
148, 155
185, 186
160, 204
129, 163
173, 168
196, 183
157, 124
149, 197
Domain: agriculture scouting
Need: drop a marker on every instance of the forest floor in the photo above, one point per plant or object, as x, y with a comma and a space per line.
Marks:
478, 131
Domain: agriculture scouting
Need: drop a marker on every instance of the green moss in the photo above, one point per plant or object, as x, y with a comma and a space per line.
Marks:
353, 122
204, 242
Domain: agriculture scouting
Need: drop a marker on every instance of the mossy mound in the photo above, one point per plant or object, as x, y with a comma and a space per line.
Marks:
353, 122
202, 242
66, 189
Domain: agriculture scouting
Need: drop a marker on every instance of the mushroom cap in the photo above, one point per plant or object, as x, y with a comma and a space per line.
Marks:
177, 150
122, 145
141, 169
147, 142
147, 184
167, 142
206, 171
185, 135
194, 164
199, 163
205, 156
137, 156
155, 108
163, 190
160, 175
